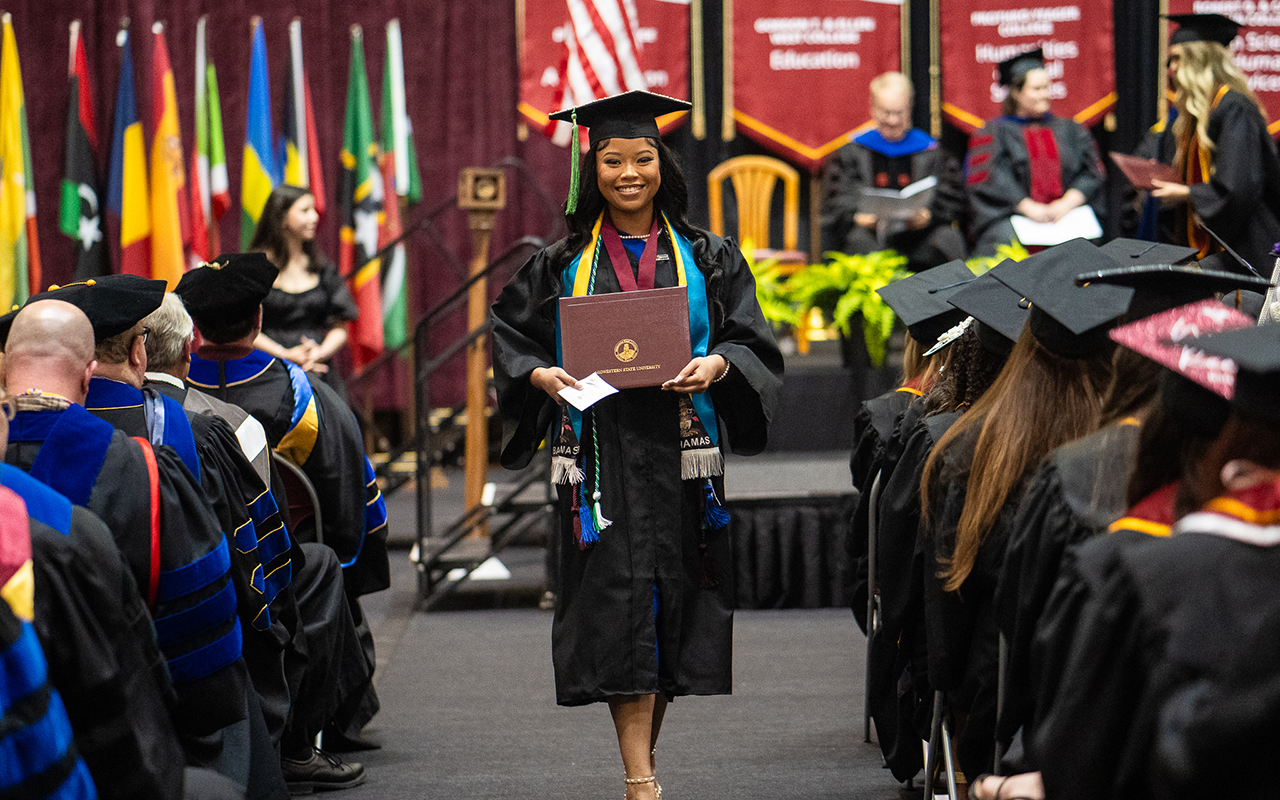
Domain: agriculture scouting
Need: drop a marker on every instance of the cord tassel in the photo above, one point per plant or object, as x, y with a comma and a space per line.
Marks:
589, 533
715, 515
600, 521
572, 205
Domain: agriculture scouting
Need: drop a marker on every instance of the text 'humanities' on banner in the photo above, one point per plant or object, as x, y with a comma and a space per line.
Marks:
1256, 50
1077, 39
576, 51
801, 70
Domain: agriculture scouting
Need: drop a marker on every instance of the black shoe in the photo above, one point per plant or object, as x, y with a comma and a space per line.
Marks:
321, 772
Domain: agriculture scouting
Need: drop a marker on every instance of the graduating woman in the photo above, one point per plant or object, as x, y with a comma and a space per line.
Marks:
1028, 161
644, 612
1224, 152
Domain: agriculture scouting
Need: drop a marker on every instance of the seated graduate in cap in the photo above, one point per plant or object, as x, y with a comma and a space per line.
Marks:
1223, 149
893, 155
1028, 161
644, 612
1147, 639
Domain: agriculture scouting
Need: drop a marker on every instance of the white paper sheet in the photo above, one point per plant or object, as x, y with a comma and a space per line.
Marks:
594, 389
1079, 223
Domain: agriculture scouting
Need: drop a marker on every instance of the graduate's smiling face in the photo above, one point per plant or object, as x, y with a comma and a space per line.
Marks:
1033, 98
628, 176
302, 218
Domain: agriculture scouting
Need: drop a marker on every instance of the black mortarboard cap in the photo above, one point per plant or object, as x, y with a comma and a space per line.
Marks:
1137, 253
1203, 28
1014, 68
113, 303
6, 322
920, 300
228, 289
1247, 302
1159, 287
1256, 352
996, 307
1068, 320
630, 115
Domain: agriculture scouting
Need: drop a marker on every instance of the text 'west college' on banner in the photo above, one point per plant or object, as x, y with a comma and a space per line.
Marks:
801, 70
576, 51
1077, 39
1256, 50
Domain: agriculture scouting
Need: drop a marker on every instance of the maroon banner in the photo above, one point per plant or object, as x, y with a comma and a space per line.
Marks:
576, 51
1256, 50
801, 70
1077, 39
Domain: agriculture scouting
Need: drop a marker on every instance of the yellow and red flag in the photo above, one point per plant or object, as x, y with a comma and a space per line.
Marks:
19, 254
170, 213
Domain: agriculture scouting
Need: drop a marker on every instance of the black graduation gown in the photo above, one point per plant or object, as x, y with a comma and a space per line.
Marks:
1132, 620
998, 170
1241, 201
1075, 494
606, 638
961, 634
336, 467
897, 686
873, 426
189, 538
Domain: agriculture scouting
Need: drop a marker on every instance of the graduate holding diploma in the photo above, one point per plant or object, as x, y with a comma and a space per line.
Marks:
644, 612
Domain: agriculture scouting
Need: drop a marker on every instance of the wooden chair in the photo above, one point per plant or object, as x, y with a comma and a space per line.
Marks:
754, 178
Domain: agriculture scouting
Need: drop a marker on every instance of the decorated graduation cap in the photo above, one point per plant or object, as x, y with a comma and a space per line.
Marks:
1203, 28
630, 115
1015, 68
1137, 253
920, 300
1001, 313
1069, 320
1256, 353
113, 303
227, 289
1159, 287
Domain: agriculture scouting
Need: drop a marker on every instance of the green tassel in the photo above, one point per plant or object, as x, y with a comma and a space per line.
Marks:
572, 205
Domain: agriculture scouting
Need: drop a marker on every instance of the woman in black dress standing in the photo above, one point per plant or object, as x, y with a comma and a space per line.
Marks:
645, 608
303, 319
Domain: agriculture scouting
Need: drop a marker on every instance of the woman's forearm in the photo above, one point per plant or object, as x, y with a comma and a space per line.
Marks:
333, 342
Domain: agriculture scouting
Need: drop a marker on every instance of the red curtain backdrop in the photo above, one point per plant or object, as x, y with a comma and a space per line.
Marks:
1077, 39
460, 75
664, 53
1256, 50
787, 53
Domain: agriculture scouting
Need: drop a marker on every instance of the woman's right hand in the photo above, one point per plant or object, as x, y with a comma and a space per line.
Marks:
1036, 212
551, 380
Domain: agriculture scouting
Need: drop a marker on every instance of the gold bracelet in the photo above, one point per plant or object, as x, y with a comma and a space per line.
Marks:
722, 375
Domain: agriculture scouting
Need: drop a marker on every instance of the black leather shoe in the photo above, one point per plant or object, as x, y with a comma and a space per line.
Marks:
321, 772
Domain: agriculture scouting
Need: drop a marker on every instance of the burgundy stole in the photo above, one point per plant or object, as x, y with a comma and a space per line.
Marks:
1046, 168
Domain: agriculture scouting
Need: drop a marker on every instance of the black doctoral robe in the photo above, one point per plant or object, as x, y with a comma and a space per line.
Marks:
873, 426
998, 173
1135, 620
191, 570
1075, 494
633, 616
898, 683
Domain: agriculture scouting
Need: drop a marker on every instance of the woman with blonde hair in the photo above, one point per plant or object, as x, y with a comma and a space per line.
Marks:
1222, 148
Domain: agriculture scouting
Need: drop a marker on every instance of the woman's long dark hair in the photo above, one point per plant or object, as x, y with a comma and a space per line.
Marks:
268, 237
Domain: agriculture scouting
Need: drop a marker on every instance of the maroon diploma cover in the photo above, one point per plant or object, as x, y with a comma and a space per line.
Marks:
1140, 171
632, 339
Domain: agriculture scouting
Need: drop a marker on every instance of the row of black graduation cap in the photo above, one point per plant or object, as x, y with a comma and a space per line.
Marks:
1072, 294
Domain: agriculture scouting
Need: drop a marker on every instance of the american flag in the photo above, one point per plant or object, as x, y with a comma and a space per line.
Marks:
601, 58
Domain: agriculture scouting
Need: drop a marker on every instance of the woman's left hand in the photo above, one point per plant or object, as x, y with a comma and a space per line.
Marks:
1170, 194
697, 375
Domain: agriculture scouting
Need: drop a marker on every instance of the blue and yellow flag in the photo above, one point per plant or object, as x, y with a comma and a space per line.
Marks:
261, 171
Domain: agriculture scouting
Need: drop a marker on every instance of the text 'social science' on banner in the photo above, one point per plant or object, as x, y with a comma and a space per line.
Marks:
979, 34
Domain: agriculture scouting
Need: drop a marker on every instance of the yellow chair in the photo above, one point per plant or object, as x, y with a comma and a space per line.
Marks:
754, 178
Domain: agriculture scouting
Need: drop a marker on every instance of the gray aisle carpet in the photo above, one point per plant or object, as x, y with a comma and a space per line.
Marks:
468, 712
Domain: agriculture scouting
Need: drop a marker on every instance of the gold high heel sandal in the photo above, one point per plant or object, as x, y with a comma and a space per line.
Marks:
650, 779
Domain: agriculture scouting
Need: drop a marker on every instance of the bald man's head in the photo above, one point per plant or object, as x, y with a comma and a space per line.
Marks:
50, 348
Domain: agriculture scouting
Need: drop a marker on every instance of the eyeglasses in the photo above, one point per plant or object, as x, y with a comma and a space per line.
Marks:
146, 332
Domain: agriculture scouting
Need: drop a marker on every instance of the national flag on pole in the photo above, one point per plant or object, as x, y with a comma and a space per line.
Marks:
127, 197
360, 198
399, 179
302, 148
170, 212
261, 172
19, 252
602, 56
79, 214
210, 194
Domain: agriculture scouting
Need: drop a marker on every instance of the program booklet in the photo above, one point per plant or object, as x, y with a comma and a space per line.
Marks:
631, 339
898, 204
